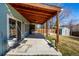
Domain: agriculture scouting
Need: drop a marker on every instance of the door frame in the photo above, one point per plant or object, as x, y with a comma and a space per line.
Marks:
8, 17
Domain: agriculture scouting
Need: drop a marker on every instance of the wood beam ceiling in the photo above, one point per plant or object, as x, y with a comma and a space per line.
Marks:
33, 6
33, 13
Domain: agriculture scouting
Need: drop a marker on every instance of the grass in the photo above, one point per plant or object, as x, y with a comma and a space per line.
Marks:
68, 46
50, 38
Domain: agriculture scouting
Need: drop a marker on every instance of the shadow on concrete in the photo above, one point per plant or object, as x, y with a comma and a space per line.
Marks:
36, 35
39, 36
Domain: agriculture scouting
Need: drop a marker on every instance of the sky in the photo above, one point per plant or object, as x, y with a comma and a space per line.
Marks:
73, 9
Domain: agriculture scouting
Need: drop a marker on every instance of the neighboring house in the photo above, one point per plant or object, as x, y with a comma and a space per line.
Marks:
74, 29
64, 31
12, 25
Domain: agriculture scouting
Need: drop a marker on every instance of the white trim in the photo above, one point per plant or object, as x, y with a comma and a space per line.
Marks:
16, 29
22, 29
8, 26
13, 18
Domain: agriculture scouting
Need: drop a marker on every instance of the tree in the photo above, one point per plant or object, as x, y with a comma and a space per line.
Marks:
65, 13
71, 23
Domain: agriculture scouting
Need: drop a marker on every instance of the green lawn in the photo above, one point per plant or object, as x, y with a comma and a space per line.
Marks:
69, 46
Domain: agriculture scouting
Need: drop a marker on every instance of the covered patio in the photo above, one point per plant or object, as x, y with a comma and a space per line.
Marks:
34, 46
37, 13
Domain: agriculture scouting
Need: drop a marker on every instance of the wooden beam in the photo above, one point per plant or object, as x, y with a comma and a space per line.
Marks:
43, 29
46, 29
51, 24
42, 6
35, 19
33, 15
37, 7
33, 12
57, 32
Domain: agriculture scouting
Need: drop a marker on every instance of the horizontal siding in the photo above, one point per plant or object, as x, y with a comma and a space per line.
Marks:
16, 14
3, 28
4, 10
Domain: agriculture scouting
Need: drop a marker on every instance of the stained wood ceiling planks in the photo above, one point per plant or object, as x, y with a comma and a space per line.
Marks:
35, 12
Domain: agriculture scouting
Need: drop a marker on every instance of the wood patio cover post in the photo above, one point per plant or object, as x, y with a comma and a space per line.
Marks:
40, 29
43, 28
51, 25
57, 32
46, 29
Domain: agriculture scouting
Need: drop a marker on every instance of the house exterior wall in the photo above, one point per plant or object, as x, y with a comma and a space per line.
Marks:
6, 9
3, 28
21, 18
65, 32
24, 30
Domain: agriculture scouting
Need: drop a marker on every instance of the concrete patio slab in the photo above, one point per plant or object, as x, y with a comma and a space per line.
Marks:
34, 45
